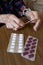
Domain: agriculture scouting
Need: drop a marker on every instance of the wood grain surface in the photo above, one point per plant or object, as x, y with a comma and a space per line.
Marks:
16, 59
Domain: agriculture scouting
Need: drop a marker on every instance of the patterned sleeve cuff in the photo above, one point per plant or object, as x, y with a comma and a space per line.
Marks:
20, 5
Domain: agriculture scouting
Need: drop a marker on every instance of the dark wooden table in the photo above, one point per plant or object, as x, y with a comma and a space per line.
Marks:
16, 59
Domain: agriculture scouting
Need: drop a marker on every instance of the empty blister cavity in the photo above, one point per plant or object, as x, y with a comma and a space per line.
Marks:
20, 36
20, 47
20, 51
12, 46
11, 50
14, 34
13, 38
21, 42
12, 43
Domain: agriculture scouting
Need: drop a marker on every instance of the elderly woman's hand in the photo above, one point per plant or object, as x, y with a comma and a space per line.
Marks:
11, 21
34, 17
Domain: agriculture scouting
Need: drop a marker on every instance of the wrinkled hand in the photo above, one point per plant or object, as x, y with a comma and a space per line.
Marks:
12, 22
34, 17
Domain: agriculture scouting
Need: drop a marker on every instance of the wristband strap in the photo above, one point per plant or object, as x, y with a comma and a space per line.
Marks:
25, 10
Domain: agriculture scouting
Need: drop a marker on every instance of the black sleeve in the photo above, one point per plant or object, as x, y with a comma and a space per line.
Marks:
1, 12
1, 24
19, 3
5, 7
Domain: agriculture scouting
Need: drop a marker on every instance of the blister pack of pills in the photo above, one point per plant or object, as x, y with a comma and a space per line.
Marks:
29, 51
16, 43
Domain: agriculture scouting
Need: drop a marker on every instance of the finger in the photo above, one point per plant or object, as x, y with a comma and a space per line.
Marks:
36, 25
21, 23
36, 14
12, 22
33, 21
17, 20
36, 17
8, 25
30, 15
